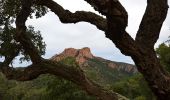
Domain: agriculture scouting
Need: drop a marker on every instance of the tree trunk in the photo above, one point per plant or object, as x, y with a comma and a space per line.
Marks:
158, 80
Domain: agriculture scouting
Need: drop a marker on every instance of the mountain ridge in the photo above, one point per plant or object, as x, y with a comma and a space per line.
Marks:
82, 57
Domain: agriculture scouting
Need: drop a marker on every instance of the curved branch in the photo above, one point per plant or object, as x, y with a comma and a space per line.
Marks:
118, 13
66, 16
21, 35
151, 24
72, 73
102, 6
117, 21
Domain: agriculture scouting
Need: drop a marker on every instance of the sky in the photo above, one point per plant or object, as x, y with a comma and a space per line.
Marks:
59, 36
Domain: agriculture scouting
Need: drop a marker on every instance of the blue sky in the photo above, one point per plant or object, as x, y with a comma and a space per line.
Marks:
59, 36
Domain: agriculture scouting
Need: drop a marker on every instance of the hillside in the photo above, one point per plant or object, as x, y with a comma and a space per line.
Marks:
100, 70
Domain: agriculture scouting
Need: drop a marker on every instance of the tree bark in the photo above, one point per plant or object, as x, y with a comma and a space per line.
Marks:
21, 35
74, 74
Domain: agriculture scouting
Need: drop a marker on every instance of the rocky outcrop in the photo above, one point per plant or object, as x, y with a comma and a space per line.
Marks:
81, 55
120, 66
123, 67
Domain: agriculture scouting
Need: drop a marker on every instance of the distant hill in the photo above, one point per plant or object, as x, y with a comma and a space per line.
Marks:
99, 69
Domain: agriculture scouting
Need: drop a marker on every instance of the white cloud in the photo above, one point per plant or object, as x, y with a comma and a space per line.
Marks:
75, 5
135, 9
59, 36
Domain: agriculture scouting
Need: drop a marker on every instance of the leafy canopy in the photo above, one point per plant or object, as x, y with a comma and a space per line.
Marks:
9, 9
163, 52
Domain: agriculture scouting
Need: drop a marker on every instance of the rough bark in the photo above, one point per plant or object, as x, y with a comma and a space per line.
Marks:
21, 35
74, 74
141, 49
66, 16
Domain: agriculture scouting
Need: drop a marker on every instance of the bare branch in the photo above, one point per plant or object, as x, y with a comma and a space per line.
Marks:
72, 73
151, 24
117, 20
116, 12
66, 16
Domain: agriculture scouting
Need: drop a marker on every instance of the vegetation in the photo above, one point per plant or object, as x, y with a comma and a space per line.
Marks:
9, 47
46, 87
163, 52
134, 88
102, 74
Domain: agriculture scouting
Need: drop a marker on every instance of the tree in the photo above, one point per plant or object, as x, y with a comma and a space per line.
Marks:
140, 49
10, 48
163, 52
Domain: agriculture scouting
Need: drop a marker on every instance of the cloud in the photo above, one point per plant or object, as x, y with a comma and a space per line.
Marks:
59, 36
76, 5
135, 9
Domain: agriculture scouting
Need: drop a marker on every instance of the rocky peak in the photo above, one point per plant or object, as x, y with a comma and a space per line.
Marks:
81, 55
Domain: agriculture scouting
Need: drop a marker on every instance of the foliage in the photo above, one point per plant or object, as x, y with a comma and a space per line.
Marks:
46, 87
66, 90
163, 52
102, 74
134, 88
71, 61
9, 9
9, 46
37, 40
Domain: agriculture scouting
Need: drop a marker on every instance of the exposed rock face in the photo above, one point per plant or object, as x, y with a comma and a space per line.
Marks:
81, 55
120, 66
124, 67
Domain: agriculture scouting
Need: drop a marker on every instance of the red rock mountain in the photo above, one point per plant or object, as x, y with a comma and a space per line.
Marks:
83, 55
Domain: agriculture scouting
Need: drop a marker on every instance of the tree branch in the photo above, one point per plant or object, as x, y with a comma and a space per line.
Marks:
101, 5
66, 16
151, 24
72, 73
117, 12
21, 35
117, 21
